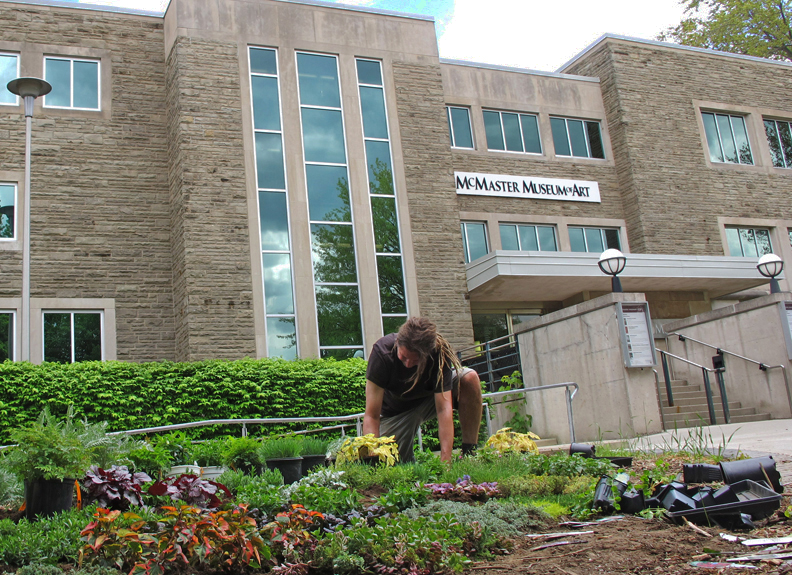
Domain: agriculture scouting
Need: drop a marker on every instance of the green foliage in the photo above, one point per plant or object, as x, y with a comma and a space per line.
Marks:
535, 485
39, 569
567, 465
262, 493
401, 497
177, 444
486, 468
326, 499
651, 477
155, 460
135, 395
315, 446
207, 453
11, 488
753, 27
49, 540
280, 447
520, 422
242, 453
504, 519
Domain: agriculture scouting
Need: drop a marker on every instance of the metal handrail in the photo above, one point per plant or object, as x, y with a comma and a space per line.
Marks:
762, 366
483, 357
705, 371
569, 397
657, 387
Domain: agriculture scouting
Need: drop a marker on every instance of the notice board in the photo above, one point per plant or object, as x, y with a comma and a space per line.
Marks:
635, 329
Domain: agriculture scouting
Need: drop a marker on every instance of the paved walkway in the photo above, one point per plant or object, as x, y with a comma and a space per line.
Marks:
755, 439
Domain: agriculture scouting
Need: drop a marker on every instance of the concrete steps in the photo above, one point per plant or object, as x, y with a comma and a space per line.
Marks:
690, 406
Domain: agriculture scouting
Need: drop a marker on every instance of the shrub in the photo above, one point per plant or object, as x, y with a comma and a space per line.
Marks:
207, 453
153, 460
242, 453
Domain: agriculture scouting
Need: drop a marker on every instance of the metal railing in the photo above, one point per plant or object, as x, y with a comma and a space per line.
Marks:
569, 394
493, 359
705, 371
762, 366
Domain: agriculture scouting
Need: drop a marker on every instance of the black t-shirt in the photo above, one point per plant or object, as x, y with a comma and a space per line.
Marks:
387, 371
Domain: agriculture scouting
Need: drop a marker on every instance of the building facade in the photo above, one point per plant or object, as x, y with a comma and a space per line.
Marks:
293, 179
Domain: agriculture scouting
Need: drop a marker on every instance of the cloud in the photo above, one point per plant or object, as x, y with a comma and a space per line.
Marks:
543, 35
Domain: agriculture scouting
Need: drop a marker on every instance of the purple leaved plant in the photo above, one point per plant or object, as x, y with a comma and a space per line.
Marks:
114, 488
192, 490
464, 488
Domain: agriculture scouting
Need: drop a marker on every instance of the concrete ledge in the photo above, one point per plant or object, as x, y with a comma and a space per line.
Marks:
727, 311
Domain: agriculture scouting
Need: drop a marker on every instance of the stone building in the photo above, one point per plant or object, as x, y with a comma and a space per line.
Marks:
292, 178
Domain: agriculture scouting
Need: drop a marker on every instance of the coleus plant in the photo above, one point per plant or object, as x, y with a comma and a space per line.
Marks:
114, 488
192, 490
463, 489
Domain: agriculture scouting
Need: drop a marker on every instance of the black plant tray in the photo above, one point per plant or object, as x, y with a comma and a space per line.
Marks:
754, 499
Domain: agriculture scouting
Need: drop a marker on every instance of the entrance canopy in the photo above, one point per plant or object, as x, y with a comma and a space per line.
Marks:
557, 276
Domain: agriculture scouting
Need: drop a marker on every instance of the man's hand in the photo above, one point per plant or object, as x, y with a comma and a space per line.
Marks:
371, 418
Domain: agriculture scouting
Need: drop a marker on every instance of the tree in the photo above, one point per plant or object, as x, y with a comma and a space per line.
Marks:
752, 27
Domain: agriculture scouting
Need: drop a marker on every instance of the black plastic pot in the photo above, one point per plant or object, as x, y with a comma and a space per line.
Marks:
311, 461
701, 473
603, 493
632, 501
757, 469
583, 449
46, 497
290, 468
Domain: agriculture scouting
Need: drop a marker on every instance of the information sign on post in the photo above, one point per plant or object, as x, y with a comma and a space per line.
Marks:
635, 329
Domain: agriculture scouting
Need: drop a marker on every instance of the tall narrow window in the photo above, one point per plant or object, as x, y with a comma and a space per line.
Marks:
594, 240
75, 83
779, 137
748, 242
387, 241
329, 207
459, 127
578, 138
276, 256
6, 335
727, 138
72, 336
474, 240
512, 132
8, 194
9, 70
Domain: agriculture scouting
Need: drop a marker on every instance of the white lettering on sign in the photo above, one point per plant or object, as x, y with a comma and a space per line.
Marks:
526, 187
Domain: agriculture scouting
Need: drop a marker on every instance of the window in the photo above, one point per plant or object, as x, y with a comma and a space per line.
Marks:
8, 211
387, 242
594, 240
512, 132
333, 251
72, 336
474, 240
459, 127
779, 137
9, 70
528, 238
727, 138
276, 257
748, 242
75, 83
578, 138
6, 335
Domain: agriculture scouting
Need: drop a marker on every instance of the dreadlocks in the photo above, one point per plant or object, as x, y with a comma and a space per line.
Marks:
419, 335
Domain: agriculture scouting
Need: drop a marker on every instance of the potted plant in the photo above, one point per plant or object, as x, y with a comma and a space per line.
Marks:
314, 453
369, 449
49, 457
208, 456
242, 454
283, 454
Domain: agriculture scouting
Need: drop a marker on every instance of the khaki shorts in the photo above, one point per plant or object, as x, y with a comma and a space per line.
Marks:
404, 426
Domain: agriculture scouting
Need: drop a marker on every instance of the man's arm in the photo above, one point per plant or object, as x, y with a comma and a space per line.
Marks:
445, 424
371, 418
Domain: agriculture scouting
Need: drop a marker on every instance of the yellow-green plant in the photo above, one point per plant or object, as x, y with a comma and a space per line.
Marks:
355, 448
507, 441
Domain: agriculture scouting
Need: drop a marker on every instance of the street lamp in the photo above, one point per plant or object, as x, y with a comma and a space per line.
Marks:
28, 89
612, 263
770, 265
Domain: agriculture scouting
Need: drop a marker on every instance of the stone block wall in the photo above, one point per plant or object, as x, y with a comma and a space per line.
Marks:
99, 210
208, 203
672, 195
434, 210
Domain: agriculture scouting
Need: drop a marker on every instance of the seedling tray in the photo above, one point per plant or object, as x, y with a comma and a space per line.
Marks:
754, 499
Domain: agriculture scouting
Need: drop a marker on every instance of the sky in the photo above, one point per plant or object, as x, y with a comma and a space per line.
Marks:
534, 34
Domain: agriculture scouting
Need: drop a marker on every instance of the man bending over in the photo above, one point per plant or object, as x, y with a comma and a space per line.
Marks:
414, 376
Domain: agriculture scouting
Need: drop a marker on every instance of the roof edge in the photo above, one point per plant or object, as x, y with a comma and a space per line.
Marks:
529, 71
87, 6
364, 9
672, 45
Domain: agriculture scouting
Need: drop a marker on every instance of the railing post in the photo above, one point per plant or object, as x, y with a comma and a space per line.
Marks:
719, 365
420, 439
490, 377
569, 414
488, 420
708, 389
244, 430
667, 376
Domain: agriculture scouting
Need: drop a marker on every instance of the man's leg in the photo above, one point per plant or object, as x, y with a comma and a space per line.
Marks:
470, 407
405, 425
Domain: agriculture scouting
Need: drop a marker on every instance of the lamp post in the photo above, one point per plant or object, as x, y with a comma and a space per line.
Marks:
770, 266
28, 89
612, 263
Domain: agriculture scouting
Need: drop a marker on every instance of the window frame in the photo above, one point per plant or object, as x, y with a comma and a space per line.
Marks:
72, 60
15, 223
14, 326
744, 117
536, 227
451, 127
72, 312
520, 116
601, 229
466, 243
571, 154
786, 159
18, 64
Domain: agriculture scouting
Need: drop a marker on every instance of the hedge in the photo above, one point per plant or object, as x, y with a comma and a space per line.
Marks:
137, 395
